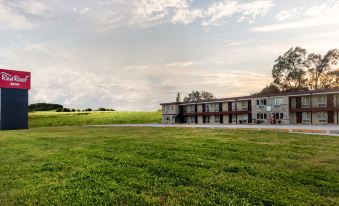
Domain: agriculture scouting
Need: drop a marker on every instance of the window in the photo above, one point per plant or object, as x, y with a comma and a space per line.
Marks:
276, 115
322, 115
192, 118
260, 116
192, 108
305, 101
281, 115
217, 118
306, 115
208, 119
261, 102
207, 109
278, 101
322, 101
216, 107
233, 106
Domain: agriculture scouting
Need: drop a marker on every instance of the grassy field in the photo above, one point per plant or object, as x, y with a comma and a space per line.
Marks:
166, 166
48, 119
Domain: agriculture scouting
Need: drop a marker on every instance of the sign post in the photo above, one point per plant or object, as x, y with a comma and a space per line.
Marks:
14, 86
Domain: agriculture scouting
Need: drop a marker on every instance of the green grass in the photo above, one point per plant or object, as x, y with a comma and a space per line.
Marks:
166, 166
48, 119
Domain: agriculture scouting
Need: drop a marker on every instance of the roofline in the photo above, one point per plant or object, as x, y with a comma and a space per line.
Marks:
242, 98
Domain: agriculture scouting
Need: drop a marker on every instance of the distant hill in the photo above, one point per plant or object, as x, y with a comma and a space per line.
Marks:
44, 107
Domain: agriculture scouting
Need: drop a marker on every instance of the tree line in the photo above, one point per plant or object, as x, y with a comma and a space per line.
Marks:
60, 108
294, 70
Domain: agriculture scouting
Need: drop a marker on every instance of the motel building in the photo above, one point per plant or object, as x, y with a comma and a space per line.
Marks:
302, 107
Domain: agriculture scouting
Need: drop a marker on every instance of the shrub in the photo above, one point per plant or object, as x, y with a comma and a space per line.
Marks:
66, 110
259, 121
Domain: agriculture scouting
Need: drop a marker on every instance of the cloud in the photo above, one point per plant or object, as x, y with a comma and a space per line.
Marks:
287, 14
180, 64
316, 15
62, 76
31, 7
217, 13
299, 24
139, 13
14, 20
21, 15
186, 16
148, 13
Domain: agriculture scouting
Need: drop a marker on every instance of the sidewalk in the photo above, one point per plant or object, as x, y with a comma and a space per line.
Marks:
308, 129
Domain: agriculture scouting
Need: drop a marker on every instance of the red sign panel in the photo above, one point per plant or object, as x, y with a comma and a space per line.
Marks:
15, 79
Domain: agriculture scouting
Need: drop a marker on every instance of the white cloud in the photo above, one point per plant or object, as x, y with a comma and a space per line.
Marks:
288, 14
153, 11
186, 16
180, 64
309, 22
18, 15
315, 15
32, 7
217, 13
13, 20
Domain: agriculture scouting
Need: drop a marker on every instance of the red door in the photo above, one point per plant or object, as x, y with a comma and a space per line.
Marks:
229, 106
298, 102
330, 102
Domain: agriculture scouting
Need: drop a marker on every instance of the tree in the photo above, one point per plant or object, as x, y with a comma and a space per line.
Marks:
337, 78
320, 73
178, 98
44, 107
289, 70
270, 89
206, 95
198, 96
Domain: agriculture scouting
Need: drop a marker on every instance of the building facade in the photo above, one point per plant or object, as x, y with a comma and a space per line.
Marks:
303, 107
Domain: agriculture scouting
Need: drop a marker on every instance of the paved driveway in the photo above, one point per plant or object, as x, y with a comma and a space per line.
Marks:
311, 129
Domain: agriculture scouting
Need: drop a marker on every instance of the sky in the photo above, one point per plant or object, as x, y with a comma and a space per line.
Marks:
136, 54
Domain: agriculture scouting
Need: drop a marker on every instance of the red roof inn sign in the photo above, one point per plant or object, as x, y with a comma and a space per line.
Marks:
15, 79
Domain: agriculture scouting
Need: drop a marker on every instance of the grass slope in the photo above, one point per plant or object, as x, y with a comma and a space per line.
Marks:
48, 119
167, 166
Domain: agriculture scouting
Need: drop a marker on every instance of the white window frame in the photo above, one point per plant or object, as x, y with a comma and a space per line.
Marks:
217, 118
306, 101
307, 116
278, 101
322, 101
322, 115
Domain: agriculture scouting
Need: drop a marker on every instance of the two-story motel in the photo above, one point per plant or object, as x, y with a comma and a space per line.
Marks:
302, 107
